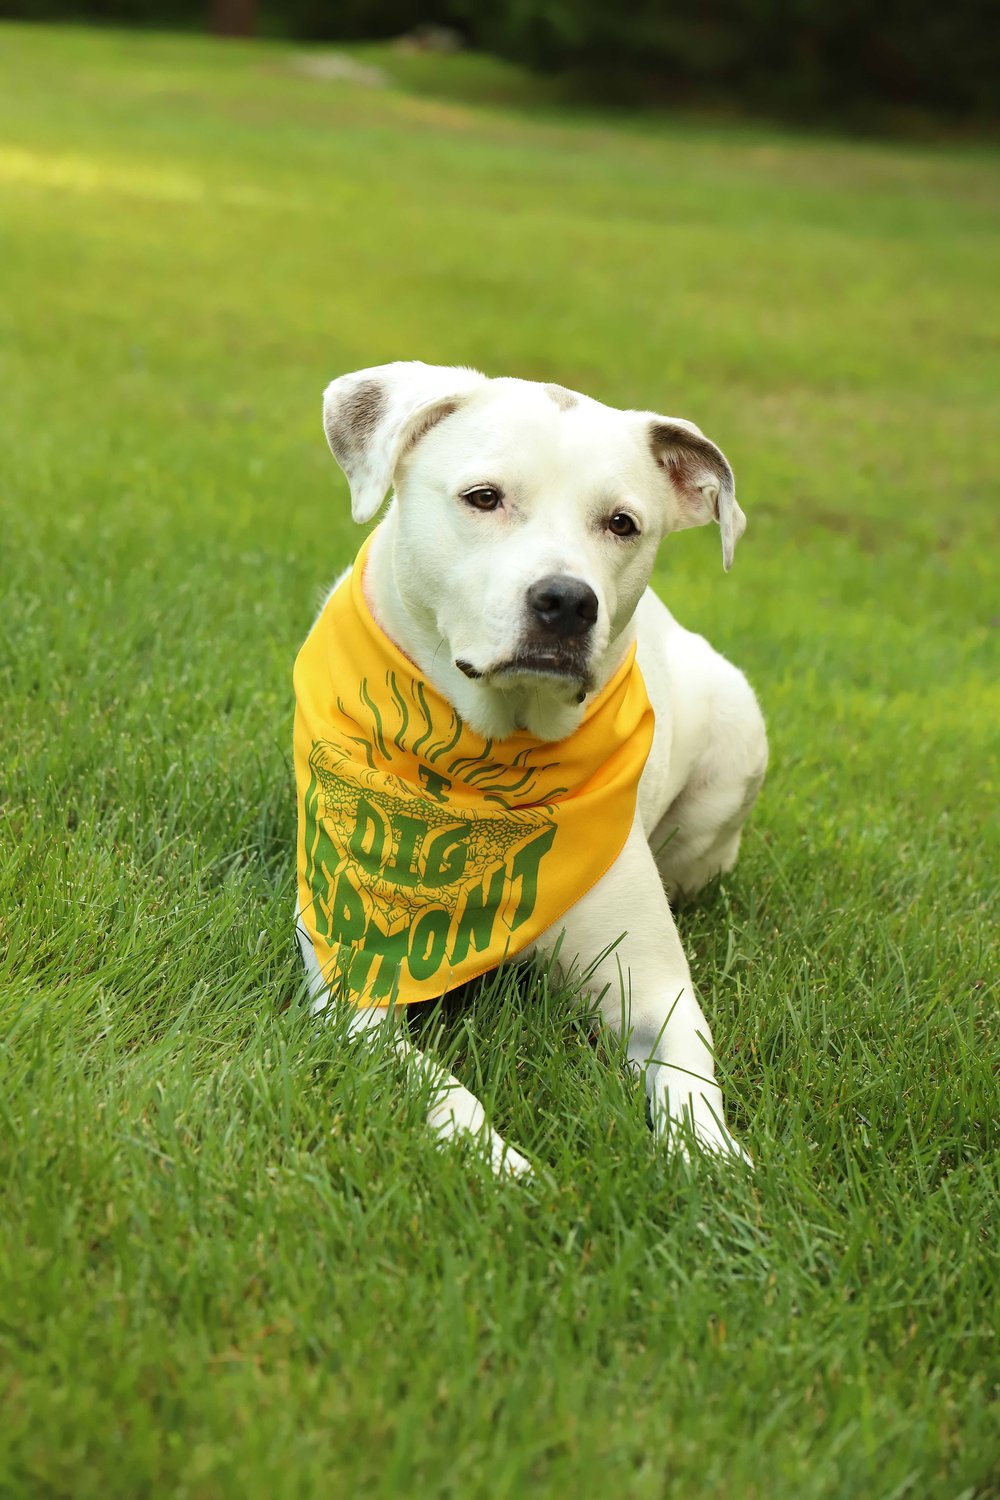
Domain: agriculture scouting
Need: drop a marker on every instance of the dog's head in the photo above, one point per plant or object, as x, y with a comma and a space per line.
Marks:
527, 516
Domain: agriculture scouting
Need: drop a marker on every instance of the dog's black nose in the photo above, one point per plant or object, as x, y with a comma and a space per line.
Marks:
563, 606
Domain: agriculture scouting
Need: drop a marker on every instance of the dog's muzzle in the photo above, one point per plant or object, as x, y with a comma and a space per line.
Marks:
560, 613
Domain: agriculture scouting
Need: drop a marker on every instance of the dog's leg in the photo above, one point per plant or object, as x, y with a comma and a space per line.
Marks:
453, 1113
622, 939
719, 725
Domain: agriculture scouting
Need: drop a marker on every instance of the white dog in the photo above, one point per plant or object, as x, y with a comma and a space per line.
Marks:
508, 578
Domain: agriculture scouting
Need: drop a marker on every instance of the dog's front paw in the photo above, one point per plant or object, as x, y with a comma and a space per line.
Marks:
505, 1160
695, 1122
458, 1115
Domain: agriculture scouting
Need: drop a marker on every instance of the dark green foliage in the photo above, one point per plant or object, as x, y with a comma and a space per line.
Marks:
164, 14
805, 53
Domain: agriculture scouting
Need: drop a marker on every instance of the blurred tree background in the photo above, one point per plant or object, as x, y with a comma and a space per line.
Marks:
800, 57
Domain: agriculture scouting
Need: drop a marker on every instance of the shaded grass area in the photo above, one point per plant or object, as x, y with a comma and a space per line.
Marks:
232, 1262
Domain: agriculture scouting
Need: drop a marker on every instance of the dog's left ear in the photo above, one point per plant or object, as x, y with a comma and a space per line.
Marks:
698, 478
372, 418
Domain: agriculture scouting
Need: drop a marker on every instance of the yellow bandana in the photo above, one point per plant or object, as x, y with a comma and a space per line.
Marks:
426, 853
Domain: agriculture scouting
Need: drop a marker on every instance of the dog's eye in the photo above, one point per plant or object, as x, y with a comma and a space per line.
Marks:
483, 497
621, 524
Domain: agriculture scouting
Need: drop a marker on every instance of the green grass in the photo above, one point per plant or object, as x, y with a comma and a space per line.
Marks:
232, 1263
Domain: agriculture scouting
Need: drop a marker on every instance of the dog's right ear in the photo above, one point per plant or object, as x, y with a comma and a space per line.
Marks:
373, 417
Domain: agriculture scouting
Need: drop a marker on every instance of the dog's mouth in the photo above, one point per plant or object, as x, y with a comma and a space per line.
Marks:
559, 661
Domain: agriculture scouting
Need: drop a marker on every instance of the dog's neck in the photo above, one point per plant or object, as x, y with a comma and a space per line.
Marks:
547, 708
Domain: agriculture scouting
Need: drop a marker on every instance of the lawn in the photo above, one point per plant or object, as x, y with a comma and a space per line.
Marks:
232, 1262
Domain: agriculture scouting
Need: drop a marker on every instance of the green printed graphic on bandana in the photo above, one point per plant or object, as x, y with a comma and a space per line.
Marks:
406, 883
